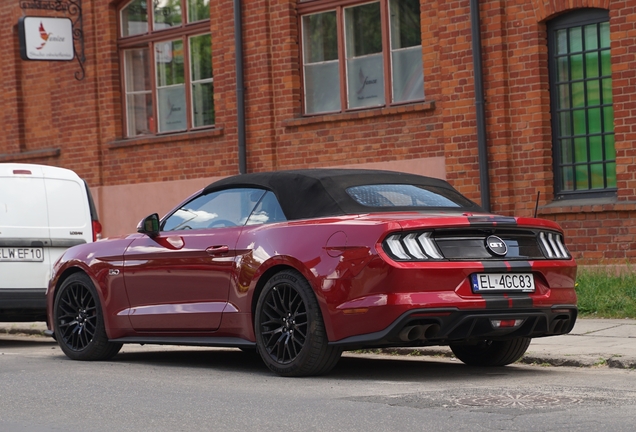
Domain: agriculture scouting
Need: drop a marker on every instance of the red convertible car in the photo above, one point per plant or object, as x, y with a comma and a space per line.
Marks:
301, 265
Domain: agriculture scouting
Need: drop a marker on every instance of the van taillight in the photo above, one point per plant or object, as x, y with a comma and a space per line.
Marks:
18, 171
97, 230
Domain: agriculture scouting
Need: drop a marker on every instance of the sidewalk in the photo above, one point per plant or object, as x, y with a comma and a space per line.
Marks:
592, 342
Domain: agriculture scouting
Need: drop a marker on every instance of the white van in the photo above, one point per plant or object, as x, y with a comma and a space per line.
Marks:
44, 210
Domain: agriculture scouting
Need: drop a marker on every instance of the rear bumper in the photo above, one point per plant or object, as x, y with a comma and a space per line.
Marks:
22, 304
451, 325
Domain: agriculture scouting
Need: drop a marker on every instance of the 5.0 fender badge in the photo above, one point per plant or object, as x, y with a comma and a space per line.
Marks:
113, 272
496, 246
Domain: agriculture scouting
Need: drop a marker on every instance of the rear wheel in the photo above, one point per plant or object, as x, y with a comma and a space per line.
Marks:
491, 353
79, 321
290, 331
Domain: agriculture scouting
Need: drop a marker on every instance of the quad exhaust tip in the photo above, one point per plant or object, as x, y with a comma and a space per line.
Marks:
418, 332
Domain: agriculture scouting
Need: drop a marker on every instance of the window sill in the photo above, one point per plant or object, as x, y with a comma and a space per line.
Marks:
590, 205
362, 114
34, 154
165, 139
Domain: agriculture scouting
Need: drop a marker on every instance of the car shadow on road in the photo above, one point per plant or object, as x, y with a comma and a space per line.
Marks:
350, 367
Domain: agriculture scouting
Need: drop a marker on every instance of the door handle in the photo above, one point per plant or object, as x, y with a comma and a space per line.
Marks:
217, 250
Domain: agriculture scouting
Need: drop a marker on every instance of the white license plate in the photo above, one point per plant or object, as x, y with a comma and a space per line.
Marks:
485, 282
19, 254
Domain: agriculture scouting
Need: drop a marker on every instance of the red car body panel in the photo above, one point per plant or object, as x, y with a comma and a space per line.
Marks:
204, 282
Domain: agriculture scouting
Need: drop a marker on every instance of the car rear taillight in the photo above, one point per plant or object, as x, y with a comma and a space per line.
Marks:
97, 230
412, 247
553, 245
22, 171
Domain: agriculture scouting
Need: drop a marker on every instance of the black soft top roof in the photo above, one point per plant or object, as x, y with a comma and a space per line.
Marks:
311, 193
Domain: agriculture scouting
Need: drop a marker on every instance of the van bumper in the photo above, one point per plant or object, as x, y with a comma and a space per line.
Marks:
22, 304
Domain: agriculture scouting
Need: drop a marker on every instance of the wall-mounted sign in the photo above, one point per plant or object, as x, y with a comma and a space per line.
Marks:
46, 38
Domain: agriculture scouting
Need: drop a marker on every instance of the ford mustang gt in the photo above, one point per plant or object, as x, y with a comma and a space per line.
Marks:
301, 265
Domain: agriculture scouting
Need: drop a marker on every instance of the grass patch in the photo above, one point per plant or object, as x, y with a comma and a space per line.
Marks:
603, 293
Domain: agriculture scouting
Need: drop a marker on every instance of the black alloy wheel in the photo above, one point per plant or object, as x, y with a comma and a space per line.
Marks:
78, 321
290, 332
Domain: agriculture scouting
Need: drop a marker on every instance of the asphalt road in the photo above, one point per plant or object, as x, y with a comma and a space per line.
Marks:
181, 388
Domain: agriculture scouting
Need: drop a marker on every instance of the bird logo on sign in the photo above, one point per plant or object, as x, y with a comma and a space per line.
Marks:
43, 35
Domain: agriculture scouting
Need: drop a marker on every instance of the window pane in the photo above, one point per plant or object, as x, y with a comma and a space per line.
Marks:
363, 30
203, 104
580, 171
591, 37
607, 91
608, 119
166, 13
594, 121
611, 174
169, 63
198, 10
139, 114
580, 122
578, 94
576, 66
134, 18
138, 89
137, 68
596, 148
408, 78
593, 93
598, 176
365, 81
566, 151
220, 209
562, 69
606, 65
562, 42
172, 108
576, 40
322, 87
567, 174
591, 65
320, 37
605, 34
405, 23
201, 57
565, 123
580, 150
564, 96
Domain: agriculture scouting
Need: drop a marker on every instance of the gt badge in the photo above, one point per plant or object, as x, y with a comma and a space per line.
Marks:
496, 246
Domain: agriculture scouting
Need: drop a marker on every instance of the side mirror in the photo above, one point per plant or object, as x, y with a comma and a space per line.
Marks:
149, 225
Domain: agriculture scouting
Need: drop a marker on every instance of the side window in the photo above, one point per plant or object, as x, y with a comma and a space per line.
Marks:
225, 208
582, 106
268, 210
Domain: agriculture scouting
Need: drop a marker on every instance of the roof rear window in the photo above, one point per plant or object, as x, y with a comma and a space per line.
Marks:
404, 195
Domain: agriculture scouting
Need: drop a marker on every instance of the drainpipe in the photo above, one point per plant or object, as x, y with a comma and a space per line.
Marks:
484, 181
240, 88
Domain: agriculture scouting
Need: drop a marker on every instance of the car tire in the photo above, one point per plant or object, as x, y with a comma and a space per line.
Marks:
491, 353
78, 321
290, 331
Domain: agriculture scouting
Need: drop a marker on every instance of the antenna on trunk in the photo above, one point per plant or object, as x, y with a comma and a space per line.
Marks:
536, 206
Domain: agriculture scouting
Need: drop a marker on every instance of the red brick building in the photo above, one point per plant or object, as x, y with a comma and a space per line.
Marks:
157, 109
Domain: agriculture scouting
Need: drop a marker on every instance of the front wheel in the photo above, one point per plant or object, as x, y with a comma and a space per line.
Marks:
290, 331
491, 353
79, 321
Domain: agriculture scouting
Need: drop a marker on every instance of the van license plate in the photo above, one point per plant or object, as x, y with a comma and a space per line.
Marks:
19, 254
486, 282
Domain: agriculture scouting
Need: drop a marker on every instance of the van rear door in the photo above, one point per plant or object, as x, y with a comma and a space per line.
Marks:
24, 232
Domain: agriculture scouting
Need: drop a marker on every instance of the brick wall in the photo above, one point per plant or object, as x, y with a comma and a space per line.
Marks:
49, 117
